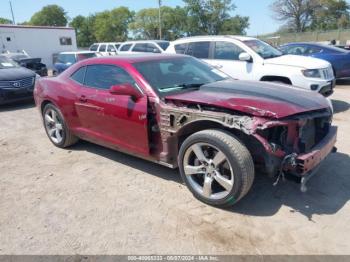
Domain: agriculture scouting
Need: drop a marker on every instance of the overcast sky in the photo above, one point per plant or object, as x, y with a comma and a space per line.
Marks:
258, 10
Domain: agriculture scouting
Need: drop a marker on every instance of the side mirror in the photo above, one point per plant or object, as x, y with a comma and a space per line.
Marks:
125, 89
245, 57
112, 50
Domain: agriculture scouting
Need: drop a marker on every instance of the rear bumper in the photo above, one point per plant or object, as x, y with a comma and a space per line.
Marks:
308, 161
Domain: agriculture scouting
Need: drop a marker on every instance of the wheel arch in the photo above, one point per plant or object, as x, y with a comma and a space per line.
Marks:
274, 78
200, 125
43, 104
253, 145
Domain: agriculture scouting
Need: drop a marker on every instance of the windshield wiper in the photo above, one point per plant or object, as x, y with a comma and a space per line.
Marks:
184, 86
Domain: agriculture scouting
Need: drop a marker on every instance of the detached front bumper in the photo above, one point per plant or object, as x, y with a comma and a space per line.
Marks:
308, 161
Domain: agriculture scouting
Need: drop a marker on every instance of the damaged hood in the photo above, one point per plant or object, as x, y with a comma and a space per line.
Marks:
254, 98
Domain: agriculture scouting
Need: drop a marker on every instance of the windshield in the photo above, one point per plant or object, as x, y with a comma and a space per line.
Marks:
263, 49
66, 58
6, 62
178, 74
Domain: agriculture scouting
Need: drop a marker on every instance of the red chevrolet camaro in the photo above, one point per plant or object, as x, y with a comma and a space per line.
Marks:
178, 111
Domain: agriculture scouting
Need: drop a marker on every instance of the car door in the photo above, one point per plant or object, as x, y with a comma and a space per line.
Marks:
105, 118
225, 57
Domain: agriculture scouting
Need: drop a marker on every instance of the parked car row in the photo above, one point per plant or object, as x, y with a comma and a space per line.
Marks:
248, 58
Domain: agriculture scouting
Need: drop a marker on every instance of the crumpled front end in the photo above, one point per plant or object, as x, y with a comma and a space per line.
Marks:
291, 145
298, 144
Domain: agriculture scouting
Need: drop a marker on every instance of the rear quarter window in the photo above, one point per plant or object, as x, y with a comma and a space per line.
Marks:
79, 75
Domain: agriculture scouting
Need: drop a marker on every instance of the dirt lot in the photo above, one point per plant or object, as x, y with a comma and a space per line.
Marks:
92, 200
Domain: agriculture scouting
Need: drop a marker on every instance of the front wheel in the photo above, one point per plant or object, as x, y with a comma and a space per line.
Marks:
216, 167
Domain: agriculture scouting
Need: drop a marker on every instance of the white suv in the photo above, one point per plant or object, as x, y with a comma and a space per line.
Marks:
105, 49
248, 58
143, 46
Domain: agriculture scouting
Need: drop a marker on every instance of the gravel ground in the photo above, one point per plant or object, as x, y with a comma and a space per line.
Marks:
92, 200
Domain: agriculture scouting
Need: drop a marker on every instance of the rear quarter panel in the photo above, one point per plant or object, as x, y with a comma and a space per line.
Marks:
59, 92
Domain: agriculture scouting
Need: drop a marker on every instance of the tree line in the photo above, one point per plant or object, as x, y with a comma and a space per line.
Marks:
195, 17
311, 15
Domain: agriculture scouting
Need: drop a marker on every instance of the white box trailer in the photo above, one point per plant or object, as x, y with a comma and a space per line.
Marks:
37, 41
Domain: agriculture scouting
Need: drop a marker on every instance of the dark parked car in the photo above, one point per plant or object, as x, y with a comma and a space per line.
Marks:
180, 112
31, 63
338, 57
16, 82
66, 59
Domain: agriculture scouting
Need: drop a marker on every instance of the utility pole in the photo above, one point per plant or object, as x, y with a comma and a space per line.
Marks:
160, 19
13, 17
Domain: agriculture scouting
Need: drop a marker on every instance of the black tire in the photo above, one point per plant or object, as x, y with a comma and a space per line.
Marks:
68, 138
236, 154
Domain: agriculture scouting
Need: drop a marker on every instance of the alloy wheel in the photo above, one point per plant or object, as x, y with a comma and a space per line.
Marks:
208, 171
53, 125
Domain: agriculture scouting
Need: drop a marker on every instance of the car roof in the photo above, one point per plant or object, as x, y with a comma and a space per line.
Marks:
145, 41
215, 37
107, 43
134, 58
76, 52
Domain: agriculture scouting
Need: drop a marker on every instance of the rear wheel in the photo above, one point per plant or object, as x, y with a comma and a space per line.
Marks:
56, 127
216, 167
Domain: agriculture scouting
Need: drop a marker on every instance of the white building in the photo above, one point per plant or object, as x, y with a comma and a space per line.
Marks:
37, 41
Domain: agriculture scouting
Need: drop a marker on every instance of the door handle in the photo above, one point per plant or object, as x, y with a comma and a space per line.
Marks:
83, 99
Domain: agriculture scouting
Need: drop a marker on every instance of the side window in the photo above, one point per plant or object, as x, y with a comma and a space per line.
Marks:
314, 50
65, 41
102, 48
111, 48
105, 76
117, 46
125, 47
93, 48
227, 51
296, 50
66, 58
198, 49
79, 75
180, 48
152, 48
140, 48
